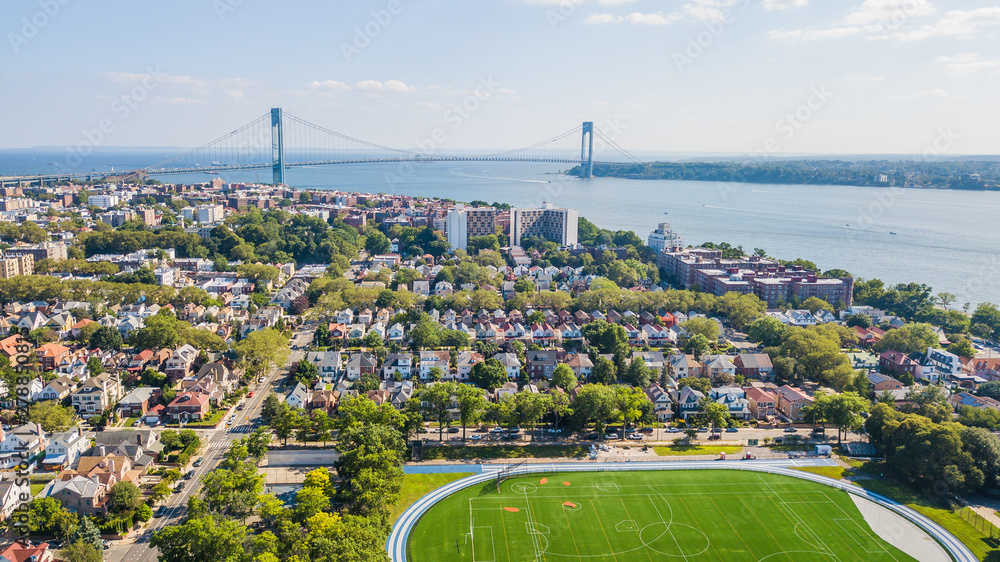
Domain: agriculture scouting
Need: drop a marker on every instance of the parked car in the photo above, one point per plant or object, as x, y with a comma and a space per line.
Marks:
714, 437
137, 423
791, 430
732, 429
611, 436
592, 436
189, 475
475, 437
199, 460
702, 430
453, 430
673, 430
646, 430
179, 486
635, 436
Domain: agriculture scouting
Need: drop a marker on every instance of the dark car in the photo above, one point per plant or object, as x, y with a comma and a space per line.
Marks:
161, 511
732, 430
180, 486
199, 461
189, 475
593, 436
791, 430
646, 430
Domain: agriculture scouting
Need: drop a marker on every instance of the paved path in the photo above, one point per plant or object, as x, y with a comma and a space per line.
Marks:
900, 532
396, 545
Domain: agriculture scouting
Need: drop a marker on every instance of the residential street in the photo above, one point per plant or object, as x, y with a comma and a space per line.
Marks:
216, 443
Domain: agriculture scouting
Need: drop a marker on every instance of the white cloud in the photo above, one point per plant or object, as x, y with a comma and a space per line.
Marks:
602, 19
783, 4
865, 78
797, 35
962, 24
330, 86
635, 18
938, 93
893, 12
615, 2
387, 86
969, 63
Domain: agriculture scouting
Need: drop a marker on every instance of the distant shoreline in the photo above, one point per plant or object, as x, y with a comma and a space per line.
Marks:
965, 176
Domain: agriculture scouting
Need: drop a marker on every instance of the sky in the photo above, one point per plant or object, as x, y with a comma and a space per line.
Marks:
715, 76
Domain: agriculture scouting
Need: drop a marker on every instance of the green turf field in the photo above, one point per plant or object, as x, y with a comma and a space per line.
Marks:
648, 516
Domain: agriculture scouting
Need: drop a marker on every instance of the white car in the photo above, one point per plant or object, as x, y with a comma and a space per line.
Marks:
611, 436
673, 430
476, 437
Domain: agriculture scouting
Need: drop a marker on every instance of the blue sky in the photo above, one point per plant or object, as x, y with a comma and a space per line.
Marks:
779, 76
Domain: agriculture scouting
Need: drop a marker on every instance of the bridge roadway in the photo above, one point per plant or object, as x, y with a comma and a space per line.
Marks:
41, 179
401, 529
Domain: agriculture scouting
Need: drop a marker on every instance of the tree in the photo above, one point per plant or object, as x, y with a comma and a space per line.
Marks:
208, 537
945, 299
638, 373
607, 338
489, 374
704, 327
717, 414
911, 338
88, 533
563, 377
437, 401
106, 337
530, 408
262, 350
270, 409
306, 372
63, 524
124, 496
696, 345
844, 410
309, 501
767, 331
962, 347
81, 551
604, 371
94, 366
471, 405
595, 403
52, 416
376, 242
859, 321
815, 304
985, 418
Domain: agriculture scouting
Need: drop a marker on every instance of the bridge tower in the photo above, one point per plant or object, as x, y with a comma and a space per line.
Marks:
587, 151
277, 146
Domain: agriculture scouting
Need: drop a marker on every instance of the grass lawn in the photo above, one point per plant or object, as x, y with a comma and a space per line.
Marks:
129, 422
835, 472
212, 420
642, 516
416, 486
686, 450
36, 489
980, 544
447, 452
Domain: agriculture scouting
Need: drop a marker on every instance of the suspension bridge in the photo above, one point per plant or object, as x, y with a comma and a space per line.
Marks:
278, 141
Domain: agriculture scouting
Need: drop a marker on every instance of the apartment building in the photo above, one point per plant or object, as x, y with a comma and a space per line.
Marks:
557, 225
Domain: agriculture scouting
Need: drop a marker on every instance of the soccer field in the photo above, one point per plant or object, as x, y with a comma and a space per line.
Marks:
648, 516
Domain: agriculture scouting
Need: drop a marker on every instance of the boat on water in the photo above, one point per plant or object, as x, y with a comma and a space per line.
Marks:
892, 233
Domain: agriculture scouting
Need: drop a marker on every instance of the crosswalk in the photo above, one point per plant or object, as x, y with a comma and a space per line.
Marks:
245, 428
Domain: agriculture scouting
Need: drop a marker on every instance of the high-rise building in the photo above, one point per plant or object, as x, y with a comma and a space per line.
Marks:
663, 238
51, 250
103, 201
557, 225
465, 222
17, 265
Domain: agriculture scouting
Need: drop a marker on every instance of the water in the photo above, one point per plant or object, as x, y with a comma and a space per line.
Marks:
946, 239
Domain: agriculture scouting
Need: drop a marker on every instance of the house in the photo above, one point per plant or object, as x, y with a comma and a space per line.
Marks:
945, 363
12, 495
96, 395
735, 402
541, 364
188, 406
26, 552
136, 403
580, 364
298, 397
988, 369
21, 443
960, 400
180, 362
328, 364
683, 366
64, 449
762, 403
431, 359
663, 404
465, 362
78, 494
717, 366
51, 355
898, 363
754, 366
882, 382
688, 401
868, 337
397, 363
653, 359
863, 360
511, 363
57, 389
361, 364
791, 401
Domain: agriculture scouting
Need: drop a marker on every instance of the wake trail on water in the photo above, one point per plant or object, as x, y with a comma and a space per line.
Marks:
457, 172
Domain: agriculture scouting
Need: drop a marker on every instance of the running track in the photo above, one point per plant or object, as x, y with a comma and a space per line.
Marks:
396, 544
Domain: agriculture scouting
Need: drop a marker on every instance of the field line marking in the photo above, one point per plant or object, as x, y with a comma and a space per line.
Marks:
571, 535
638, 530
493, 559
531, 522
726, 519
611, 547
503, 525
670, 524
864, 528
820, 542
